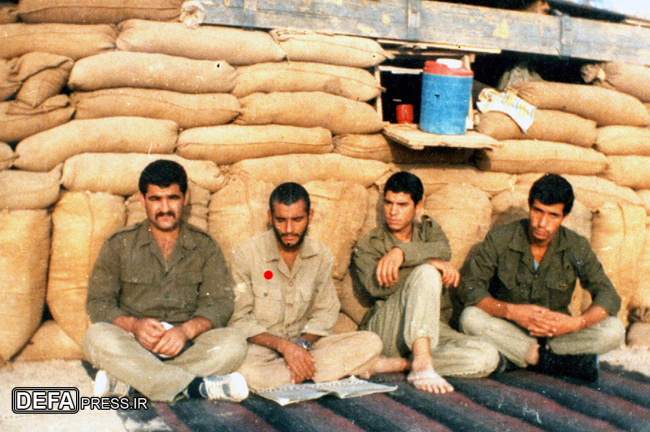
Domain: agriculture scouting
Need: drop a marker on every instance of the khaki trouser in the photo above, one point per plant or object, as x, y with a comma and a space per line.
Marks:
215, 352
414, 312
514, 342
336, 356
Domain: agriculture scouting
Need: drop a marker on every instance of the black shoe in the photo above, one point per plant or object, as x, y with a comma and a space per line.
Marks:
580, 366
505, 365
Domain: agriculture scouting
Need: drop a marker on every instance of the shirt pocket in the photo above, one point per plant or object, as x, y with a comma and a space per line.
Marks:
561, 283
136, 289
267, 306
187, 286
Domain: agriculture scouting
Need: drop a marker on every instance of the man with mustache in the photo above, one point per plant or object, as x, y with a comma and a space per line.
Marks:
518, 288
286, 304
160, 297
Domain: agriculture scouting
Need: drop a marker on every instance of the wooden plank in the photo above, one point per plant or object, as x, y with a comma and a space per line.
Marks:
448, 24
410, 136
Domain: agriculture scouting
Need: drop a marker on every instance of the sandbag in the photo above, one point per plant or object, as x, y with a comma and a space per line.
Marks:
593, 192
29, 190
7, 156
195, 212
374, 210
352, 83
18, 123
231, 143
355, 300
512, 205
50, 342
310, 109
70, 40
8, 13
344, 324
303, 168
606, 107
235, 46
120, 172
333, 49
628, 78
463, 212
154, 71
81, 222
24, 254
434, 177
9, 85
339, 214
377, 147
623, 140
45, 150
187, 110
45, 84
522, 156
640, 301
631, 171
238, 212
644, 194
548, 125
97, 11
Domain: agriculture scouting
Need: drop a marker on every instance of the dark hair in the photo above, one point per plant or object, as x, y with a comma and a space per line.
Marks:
405, 182
163, 173
289, 193
552, 189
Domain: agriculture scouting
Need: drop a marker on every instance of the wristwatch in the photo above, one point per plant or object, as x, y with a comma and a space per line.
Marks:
303, 343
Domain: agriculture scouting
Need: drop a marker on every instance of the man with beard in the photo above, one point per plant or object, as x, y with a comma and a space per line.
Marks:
159, 297
286, 304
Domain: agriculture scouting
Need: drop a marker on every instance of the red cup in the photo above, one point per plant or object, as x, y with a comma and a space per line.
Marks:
404, 113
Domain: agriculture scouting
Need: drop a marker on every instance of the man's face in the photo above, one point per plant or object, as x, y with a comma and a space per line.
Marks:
399, 211
164, 206
545, 220
290, 223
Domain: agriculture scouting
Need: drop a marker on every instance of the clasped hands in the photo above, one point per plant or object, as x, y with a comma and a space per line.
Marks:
543, 322
387, 272
300, 362
152, 335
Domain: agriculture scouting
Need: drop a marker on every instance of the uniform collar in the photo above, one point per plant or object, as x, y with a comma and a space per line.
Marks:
145, 237
272, 250
520, 241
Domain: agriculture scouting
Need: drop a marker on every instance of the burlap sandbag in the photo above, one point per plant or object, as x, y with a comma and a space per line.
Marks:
377, 147
187, 110
43, 85
463, 212
333, 49
523, 156
628, 78
50, 342
9, 85
154, 71
623, 140
44, 151
618, 235
344, 324
352, 83
355, 301
24, 253
7, 156
374, 210
120, 172
548, 125
235, 46
640, 302
512, 205
593, 192
606, 107
18, 122
310, 109
630, 171
70, 40
434, 177
195, 212
303, 168
231, 143
8, 13
644, 194
81, 222
29, 190
97, 11
339, 213
238, 212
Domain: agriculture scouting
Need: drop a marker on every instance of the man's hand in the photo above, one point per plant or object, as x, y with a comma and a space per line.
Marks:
387, 272
542, 322
449, 273
300, 362
172, 342
148, 332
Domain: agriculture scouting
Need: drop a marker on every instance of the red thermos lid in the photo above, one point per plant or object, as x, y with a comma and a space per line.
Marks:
433, 67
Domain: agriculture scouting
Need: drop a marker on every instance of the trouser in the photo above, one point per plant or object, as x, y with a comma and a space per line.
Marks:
215, 352
336, 356
413, 312
514, 342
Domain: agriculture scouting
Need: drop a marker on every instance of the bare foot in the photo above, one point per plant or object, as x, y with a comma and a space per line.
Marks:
387, 364
422, 375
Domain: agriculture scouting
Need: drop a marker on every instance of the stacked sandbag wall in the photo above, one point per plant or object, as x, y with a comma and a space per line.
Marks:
91, 92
